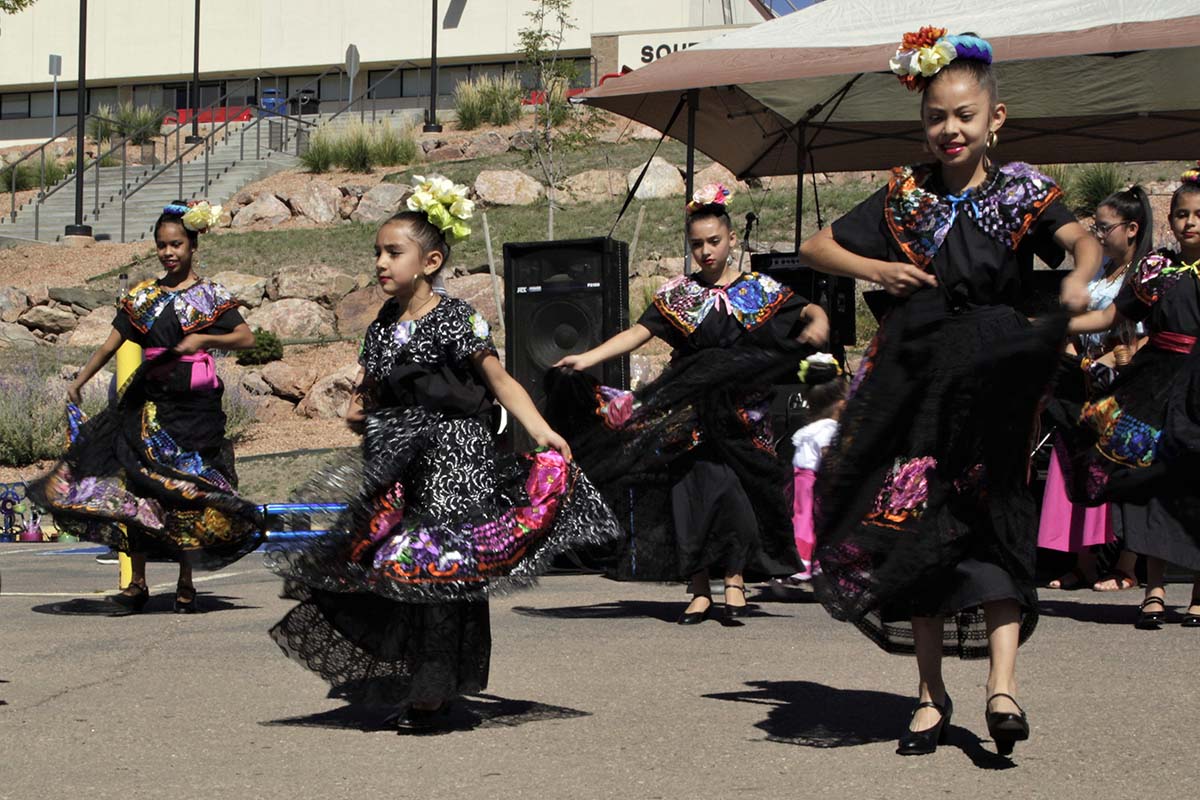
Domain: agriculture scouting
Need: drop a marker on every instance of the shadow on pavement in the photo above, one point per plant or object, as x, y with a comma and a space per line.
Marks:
626, 609
465, 714
158, 604
814, 715
1098, 613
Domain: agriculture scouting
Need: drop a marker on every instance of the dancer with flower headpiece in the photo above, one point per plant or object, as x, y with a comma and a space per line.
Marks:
923, 506
393, 600
153, 475
692, 452
1138, 444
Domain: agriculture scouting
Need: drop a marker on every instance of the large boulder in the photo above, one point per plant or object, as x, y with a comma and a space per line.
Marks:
329, 397
94, 329
662, 179
254, 383
318, 282
507, 187
380, 202
445, 152
718, 173
13, 302
14, 336
317, 201
347, 205
477, 290
486, 144
266, 208
285, 380
293, 318
49, 319
87, 299
248, 289
594, 185
358, 309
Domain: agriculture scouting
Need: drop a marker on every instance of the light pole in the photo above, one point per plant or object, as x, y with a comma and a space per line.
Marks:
195, 104
79, 229
431, 123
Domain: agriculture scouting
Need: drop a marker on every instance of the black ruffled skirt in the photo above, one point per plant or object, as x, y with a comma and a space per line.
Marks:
393, 600
153, 474
687, 463
1138, 446
923, 505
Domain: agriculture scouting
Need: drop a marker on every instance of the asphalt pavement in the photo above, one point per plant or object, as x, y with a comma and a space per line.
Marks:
594, 693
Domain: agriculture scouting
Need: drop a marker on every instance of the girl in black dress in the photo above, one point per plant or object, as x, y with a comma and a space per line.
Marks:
393, 600
692, 453
154, 474
923, 507
1139, 443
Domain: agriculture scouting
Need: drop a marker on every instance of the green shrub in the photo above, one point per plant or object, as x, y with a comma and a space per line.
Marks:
103, 125
1094, 183
390, 147
33, 420
24, 175
267, 348
469, 105
502, 98
319, 156
139, 124
352, 148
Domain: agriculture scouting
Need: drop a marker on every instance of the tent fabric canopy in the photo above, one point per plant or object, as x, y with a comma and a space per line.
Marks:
1097, 80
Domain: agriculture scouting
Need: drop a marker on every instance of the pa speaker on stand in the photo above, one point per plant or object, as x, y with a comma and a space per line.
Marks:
561, 298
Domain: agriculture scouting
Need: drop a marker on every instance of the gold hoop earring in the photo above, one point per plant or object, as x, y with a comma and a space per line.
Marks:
993, 139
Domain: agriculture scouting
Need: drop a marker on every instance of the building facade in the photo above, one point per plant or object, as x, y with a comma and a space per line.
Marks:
141, 50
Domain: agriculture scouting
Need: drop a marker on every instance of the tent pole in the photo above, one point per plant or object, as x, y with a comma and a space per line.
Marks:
693, 103
799, 184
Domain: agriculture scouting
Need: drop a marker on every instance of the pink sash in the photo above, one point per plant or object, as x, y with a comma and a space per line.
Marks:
204, 369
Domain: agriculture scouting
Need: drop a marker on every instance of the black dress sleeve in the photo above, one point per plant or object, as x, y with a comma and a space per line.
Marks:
655, 322
226, 322
469, 333
863, 230
124, 326
1039, 240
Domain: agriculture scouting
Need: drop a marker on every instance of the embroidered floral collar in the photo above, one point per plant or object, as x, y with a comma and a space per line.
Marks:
1158, 272
197, 306
751, 299
1004, 207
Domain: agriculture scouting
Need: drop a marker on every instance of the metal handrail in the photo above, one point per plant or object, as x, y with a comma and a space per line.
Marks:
371, 88
12, 181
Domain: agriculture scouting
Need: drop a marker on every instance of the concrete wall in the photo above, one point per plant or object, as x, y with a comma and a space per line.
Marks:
150, 40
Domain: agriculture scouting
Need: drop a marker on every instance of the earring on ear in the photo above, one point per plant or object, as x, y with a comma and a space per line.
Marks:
729, 260
993, 139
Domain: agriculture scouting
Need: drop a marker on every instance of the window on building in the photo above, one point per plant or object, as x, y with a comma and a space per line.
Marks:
151, 95
14, 106
41, 104
333, 87
390, 87
101, 97
296, 83
487, 71
415, 83
68, 102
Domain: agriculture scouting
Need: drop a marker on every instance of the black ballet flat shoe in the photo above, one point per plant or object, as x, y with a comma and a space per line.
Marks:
185, 600
920, 743
1151, 620
1005, 727
133, 597
695, 617
1190, 620
424, 720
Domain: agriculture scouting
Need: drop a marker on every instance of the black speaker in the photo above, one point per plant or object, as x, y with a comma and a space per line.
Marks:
834, 294
560, 298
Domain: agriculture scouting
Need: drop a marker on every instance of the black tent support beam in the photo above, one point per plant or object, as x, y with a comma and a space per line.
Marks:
693, 105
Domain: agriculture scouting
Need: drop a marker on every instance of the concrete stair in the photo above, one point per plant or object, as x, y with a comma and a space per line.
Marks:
228, 173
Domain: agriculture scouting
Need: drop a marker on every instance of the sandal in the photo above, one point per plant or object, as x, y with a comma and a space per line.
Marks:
133, 597
1123, 581
185, 599
1151, 620
1075, 579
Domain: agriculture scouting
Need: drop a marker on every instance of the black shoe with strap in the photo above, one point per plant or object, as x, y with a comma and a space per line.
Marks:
185, 599
1005, 727
1191, 619
696, 617
920, 743
731, 612
1151, 620
133, 597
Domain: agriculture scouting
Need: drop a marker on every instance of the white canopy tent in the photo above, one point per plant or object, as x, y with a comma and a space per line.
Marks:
1084, 80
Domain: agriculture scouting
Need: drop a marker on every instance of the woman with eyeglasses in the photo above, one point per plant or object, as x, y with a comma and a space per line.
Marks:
1124, 226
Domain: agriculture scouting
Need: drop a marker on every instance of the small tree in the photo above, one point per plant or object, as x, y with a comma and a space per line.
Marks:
551, 76
13, 6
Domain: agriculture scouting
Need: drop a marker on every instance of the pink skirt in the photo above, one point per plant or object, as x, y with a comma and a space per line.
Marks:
802, 513
1066, 526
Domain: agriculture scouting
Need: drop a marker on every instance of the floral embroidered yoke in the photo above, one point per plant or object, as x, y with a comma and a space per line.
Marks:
751, 299
196, 307
1004, 207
